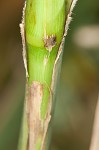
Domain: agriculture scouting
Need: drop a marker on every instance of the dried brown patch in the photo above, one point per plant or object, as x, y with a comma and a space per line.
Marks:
37, 126
49, 42
35, 122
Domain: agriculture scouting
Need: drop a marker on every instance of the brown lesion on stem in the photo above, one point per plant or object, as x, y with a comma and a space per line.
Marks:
49, 42
34, 117
36, 125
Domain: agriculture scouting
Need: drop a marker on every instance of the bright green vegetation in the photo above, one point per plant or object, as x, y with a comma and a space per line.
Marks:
44, 18
44, 29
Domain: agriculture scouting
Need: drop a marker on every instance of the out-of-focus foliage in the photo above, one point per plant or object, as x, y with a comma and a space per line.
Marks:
78, 88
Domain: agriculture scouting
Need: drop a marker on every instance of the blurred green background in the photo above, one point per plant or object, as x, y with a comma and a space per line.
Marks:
78, 88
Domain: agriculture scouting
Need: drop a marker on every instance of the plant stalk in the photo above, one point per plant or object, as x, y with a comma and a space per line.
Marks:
43, 29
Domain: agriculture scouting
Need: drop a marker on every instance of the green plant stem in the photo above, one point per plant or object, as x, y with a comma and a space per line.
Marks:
43, 29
